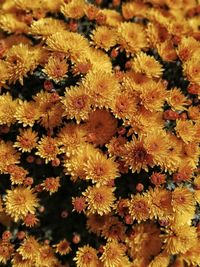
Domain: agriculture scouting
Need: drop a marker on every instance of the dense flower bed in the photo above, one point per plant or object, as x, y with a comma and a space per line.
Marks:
100, 130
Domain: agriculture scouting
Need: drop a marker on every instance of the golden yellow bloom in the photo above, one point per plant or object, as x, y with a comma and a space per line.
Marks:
49, 108
161, 206
179, 239
191, 256
153, 95
113, 254
102, 87
113, 17
139, 207
20, 60
56, 69
70, 137
145, 241
100, 170
30, 220
166, 50
18, 261
123, 106
46, 257
74, 9
7, 109
20, 201
132, 37
177, 100
26, 140
9, 23
86, 256
183, 201
104, 37
75, 164
47, 148
161, 260
4, 75
192, 69
27, 113
77, 103
100, 199
8, 155
29, 248
148, 65
63, 247
136, 155
185, 130
47, 26
66, 42
156, 147
187, 47
133, 9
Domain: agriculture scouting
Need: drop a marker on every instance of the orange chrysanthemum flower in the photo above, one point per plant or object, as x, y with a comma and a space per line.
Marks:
26, 140
8, 155
100, 170
51, 184
185, 130
63, 247
100, 199
86, 256
56, 68
47, 148
7, 109
100, 127
20, 201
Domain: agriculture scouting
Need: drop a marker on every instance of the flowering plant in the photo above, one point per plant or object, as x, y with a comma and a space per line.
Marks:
100, 130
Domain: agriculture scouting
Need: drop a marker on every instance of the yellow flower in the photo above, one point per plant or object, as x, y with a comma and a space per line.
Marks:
27, 113
26, 140
20, 201
100, 199
99, 169
191, 256
148, 65
185, 130
161, 260
29, 248
70, 137
47, 26
46, 257
156, 147
102, 87
51, 184
192, 69
77, 103
86, 256
74, 9
10, 24
63, 247
8, 155
4, 75
73, 44
17, 174
7, 109
75, 164
139, 207
20, 60
161, 206
183, 201
18, 261
56, 68
179, 239
113, 254
136, 155
177, 100
145, 241
113, 17
187, 47
104, 37
153, 95
132, 37
47, 148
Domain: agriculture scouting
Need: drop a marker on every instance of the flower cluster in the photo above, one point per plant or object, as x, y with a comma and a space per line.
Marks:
99, 133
